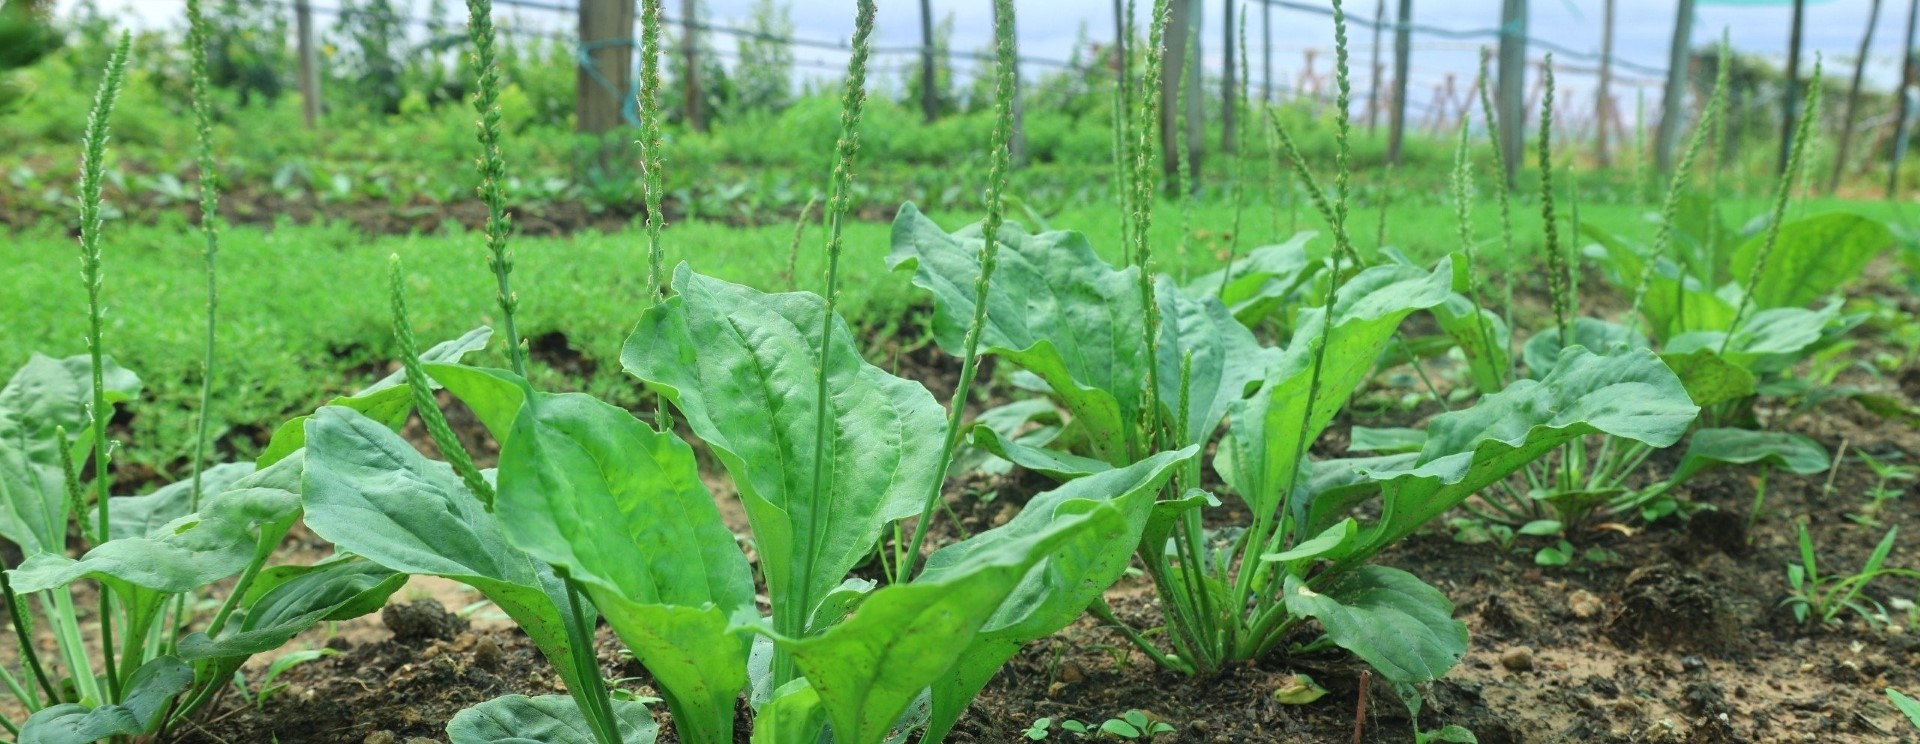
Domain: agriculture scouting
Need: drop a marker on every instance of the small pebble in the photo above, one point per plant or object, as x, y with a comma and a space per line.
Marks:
1692, 663
1517, 659
381, 737
1584, 604
1071, 673
487, 654
1006, 514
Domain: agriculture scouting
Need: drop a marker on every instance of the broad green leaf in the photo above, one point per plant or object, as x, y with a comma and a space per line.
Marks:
371, 493
1811, 258
1058, 310
45, 395
1060, 466
495, 396
905, 637
742, 367
793, 716
1908, 707
1330, 489
1709, 378
1702, 239
388, 400
1226, 359
1010, 422
146, 695
143, 516
1767, 341
1482, 336
1329, 540
1258, 460
1054, 308
1629, 394
1791, 452
588, 488
1675, 304
1542, 351
293, 601
1389, 618
1056, 592
547, 719
1387, 441
1262, 281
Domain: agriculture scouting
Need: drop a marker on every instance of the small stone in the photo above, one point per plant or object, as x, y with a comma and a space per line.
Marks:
1006, 514
1517, 659
1071, 673
487, 654
1584, 604
420, 740
381, 737
1692, 663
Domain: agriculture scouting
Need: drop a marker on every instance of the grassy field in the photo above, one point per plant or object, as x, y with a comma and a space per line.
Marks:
304, 312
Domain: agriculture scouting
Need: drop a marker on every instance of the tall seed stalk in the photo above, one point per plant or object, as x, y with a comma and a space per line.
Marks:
1461, 184
1183, 149
1122, 80
652, 147
839, 201
1676, 187
492, 167
1796, 162
1145, 186
92, 177
209, 225
1558, 272
999, 159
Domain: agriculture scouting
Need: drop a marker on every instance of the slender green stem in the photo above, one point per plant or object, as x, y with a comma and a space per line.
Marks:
793, 247
1676, 186
792, 620
209, 225
22, 631
73, 645
1000, 161
1783, 191
1104, 613
92, 177
1558, 272
599, 700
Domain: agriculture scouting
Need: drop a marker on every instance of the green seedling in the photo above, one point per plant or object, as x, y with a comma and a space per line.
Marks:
1821, 599
1906, 705
1885, 473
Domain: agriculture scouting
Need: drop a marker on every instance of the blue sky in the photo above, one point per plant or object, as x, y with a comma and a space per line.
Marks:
1049, 28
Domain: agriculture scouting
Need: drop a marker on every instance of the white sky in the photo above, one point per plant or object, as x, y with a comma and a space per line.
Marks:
1049, 29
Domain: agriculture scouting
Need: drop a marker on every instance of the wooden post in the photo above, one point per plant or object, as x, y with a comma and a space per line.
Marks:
1511, 86
1853, 98
689, 48
929, 94
1172, 66
605, 27
309, 70
1402, 56
1373, 95
1671, 99
1229, 100
1603, 97
1900, 118
1790, 107
1266, 49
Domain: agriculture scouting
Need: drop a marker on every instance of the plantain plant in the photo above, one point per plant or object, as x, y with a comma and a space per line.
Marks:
593, 512
151, 556
1062, 314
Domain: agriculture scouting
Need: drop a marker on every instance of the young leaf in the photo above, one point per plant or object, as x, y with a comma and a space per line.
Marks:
1811, 258
587, 488
1060, 466
1709, 378
44, 396
793, 715
1628, 394
1791, 452
1389, 441
547, 719
1262, 282
1542, 351
742, 367
1059, 590
371, 493
1260, 457
1054, 308
1908, 707
1484, 339
387, 400
147, 693
1389, 618
282, 603
905, 637
144, 516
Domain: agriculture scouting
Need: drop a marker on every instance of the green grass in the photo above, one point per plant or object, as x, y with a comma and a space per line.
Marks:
304, 313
